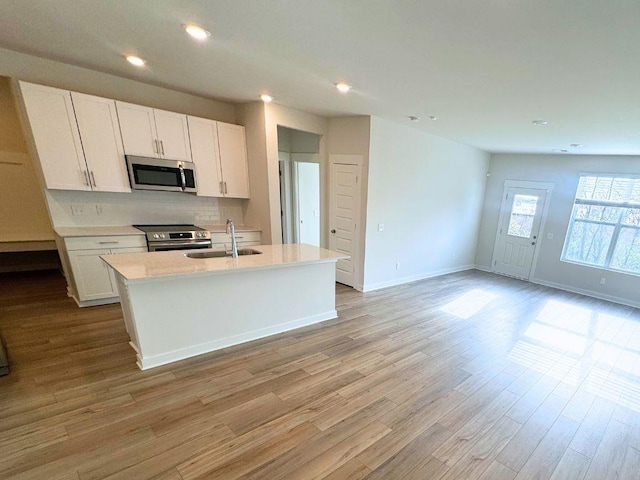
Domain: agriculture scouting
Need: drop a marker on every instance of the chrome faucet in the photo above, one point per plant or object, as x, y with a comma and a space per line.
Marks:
231, 230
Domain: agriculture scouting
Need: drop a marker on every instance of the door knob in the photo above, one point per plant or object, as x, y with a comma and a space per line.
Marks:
533, 243
333, 230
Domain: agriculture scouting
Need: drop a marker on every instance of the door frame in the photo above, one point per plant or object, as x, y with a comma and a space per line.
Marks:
505, 208
357, 161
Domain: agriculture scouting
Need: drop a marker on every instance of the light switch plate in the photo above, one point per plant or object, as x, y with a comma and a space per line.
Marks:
381, 227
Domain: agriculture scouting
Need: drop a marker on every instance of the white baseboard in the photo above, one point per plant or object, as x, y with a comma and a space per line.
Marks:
155, 361
482, 268
415, 278
588, 293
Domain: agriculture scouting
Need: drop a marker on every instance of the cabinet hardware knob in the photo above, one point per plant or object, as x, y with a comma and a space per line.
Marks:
333, 230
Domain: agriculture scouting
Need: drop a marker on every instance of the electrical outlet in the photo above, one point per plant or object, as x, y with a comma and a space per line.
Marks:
77, 209
381, 227
397, 265
603, 280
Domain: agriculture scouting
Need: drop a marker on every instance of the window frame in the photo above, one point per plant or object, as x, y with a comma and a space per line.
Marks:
617, 226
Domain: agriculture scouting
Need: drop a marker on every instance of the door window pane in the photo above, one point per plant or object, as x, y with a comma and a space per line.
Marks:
523, 210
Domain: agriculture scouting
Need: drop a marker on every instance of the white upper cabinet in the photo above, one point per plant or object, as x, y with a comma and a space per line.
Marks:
233, 160
138, 128
204, 150
148, 132
173, 135
55, 135
220, 154
102, 143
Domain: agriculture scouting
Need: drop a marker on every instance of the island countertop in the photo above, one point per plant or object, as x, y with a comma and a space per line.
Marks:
151, 265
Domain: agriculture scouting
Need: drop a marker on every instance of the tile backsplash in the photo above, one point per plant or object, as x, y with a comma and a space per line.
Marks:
80, 209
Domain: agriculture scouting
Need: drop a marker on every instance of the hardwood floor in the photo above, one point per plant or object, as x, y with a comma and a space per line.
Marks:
465, 376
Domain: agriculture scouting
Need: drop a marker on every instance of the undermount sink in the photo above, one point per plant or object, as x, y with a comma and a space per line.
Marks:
248, 251
217, 254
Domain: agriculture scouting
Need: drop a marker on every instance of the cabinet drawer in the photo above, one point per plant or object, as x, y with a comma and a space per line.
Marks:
113, 241
221, 237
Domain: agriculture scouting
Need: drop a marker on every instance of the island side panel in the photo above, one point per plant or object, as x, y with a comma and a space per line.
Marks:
181, 317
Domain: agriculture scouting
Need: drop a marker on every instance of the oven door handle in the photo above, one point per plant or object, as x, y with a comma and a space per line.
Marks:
177, 244
182, 178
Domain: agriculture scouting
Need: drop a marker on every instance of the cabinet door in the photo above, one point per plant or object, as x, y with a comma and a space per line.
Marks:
204, 149
233, 160
173, 134
102, 142
138, 129
55, 135
92, 276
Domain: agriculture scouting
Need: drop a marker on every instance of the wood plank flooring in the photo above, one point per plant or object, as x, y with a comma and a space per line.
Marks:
465, 376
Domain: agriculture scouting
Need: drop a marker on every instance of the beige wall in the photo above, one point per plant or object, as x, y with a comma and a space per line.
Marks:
23, 214
69, 77
258, 208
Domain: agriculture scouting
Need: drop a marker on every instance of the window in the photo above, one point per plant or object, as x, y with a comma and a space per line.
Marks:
605, 224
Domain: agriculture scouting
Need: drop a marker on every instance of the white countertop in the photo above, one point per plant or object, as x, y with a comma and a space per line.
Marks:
129, 230
150, 265
97, 231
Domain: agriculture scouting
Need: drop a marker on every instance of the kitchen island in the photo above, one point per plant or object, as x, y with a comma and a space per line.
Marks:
177, 307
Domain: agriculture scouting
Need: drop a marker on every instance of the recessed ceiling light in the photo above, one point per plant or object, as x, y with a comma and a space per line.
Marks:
266, 98
137, 61
414, 119
343, 87
576, 145
196, 32
540, 123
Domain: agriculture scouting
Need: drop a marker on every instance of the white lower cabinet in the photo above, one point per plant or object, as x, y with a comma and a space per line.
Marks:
92, 276
222, 241
91, 281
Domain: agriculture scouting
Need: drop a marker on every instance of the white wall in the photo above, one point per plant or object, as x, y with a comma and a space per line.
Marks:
562, 171
102, 208
428, 193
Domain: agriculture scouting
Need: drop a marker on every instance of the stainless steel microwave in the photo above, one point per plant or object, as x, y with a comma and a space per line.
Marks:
147, 173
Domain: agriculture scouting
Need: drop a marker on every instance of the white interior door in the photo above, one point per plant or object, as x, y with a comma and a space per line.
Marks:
517, 236
308, 181
344, 221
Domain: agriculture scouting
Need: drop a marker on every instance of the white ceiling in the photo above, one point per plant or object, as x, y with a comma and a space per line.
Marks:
485, 68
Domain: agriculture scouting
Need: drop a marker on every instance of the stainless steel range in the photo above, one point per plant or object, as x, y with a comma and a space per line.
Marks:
175, 237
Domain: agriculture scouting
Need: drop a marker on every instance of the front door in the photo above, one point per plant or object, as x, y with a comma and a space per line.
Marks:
345, 209
518, 232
